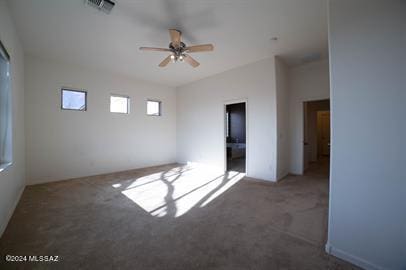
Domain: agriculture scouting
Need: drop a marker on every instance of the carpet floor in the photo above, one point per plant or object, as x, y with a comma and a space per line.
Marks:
173, 217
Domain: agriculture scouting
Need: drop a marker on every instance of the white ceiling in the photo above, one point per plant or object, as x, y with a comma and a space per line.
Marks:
241, 31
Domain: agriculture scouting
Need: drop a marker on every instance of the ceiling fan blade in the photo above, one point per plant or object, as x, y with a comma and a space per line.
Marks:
175, 37
165, 62
191, 61
154, 49
200, 48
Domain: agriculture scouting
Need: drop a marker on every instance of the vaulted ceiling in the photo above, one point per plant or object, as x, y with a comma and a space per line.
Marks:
241, 30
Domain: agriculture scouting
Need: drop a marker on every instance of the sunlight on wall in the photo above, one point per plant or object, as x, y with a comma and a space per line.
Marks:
175, 192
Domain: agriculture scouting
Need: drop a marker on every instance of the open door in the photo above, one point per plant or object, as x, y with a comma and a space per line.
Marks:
316, 132
235, 117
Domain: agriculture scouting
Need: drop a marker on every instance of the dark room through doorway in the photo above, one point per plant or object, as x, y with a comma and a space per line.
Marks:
236, 137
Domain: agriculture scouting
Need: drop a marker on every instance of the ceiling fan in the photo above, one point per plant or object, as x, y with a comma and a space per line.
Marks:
178, 50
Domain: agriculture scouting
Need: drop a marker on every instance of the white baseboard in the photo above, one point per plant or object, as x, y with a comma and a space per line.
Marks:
282, 176
351, 258
4, 224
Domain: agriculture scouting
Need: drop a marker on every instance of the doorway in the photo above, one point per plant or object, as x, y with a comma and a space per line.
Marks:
235, 137
316, 143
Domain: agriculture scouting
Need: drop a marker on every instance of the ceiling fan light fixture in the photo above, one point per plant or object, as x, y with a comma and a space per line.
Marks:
178, 50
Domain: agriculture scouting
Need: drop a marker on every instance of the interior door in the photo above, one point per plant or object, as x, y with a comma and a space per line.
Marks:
306, 152
324, 132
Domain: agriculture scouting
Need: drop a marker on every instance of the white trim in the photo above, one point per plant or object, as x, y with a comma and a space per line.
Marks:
331, 96
229, 102
3, 226
327, 248
352, 259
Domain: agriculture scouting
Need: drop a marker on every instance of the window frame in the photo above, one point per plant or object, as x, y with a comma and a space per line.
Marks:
121, 96
73, 90
4, 164
227, 124
159, 107
4, 52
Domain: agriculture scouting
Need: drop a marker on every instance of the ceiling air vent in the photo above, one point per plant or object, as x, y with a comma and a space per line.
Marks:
104, 5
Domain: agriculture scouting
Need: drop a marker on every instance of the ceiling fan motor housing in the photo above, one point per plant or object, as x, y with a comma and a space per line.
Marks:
178, 52
181, 47
103, 5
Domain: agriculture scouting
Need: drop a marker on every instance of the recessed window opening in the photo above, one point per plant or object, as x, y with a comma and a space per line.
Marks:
119, 104
75, 100
6, 143
153, 107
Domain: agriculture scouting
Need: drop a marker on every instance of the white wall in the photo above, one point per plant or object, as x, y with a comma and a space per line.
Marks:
12, 179
282, 105
367, 223
66, 144
200, 118
306, 82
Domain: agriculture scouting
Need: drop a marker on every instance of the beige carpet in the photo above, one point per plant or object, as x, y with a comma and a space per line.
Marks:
173, 217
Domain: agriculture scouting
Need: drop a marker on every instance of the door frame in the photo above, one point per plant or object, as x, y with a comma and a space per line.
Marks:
229, 102
303, 111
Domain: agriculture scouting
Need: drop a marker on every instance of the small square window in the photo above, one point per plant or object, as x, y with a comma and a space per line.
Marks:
74, 100
119, 104
153, 107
